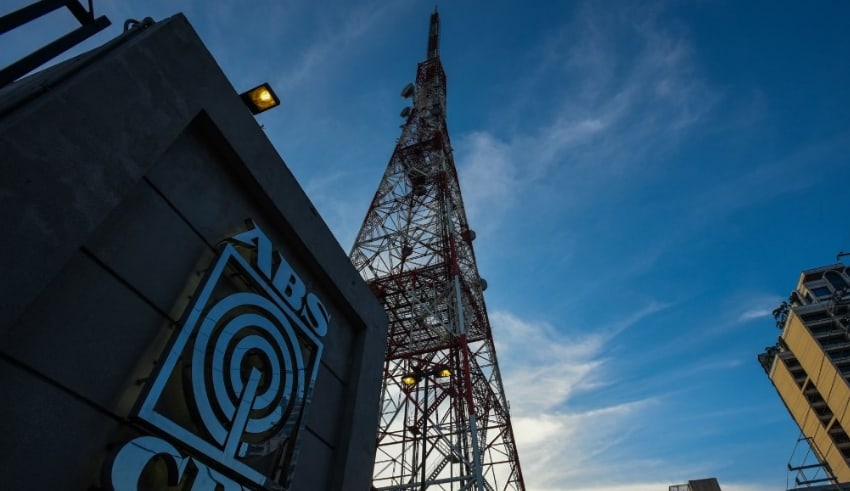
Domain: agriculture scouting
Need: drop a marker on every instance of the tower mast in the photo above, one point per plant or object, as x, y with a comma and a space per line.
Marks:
445, 422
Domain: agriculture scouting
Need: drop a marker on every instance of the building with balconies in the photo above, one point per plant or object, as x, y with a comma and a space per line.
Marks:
810, 364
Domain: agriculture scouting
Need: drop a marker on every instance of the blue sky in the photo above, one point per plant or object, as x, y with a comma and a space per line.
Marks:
647, 180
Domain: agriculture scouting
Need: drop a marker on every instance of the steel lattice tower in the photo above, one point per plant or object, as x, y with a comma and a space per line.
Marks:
444, 416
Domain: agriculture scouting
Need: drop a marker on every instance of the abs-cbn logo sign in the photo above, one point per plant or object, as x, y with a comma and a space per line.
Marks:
228, 400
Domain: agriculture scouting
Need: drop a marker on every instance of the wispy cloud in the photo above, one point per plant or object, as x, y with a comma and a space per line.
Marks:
751, 314
490, 169
749, 306
610, 110
543, 370
761, 181
550, 374
335, 42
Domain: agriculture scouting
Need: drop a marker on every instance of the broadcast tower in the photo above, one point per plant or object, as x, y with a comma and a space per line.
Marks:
445, 421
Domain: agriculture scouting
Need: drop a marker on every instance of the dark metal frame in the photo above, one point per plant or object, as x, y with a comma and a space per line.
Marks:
89, 26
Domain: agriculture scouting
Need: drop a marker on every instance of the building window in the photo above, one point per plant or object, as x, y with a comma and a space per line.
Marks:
835, 280
821, 291
795, 369
818, 404
813, 276
815, 316
836, 340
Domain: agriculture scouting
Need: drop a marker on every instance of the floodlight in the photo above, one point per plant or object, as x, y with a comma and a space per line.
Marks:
260, 98
409, 380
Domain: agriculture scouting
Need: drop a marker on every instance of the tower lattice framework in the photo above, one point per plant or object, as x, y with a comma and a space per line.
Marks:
445, 421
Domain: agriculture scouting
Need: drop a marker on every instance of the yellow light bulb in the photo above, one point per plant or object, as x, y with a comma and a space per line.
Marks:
409, 380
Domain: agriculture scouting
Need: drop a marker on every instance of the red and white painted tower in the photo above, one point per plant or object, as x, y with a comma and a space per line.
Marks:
445, 421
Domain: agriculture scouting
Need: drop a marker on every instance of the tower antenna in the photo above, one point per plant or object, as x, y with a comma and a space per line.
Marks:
445, 421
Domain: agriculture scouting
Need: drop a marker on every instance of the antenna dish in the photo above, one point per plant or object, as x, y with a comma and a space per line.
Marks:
405, 111
407, 91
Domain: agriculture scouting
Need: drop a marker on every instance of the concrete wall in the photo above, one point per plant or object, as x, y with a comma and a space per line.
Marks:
123, 170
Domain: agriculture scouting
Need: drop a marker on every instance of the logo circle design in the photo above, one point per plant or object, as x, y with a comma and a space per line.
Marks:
247, 370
